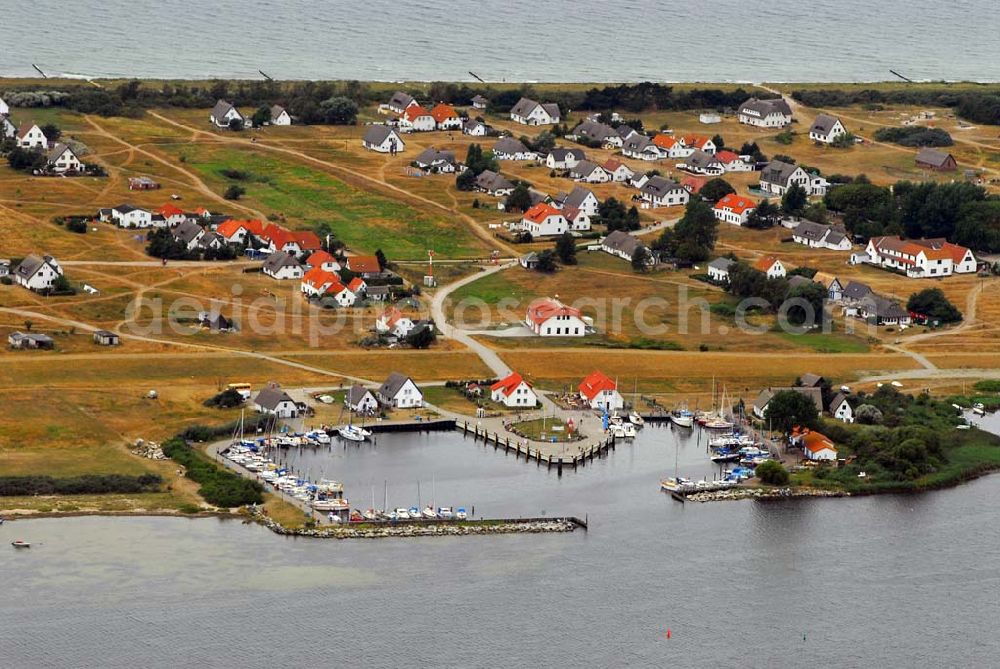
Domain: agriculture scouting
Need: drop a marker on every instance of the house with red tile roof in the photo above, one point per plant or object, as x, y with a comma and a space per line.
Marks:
548, 317
513, 391
324, 261
600, 392
393, 322
672, 147
544, 220
317, 281
693, 184
733, 162
366, 266
446, 117
815, 445
358, 286
770, 266
920, 258
618, 170
700, 142
734, 208
416, 119
236, 232
172, 214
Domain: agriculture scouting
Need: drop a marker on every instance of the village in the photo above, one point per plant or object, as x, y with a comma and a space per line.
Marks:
330, 257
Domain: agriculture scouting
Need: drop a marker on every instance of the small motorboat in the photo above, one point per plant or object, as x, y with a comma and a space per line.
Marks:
351, 432
401, 514
622, 431
414, 513
371, 514
356, 516
682, 418
20, 543
429, 512
461, 514
636, 419
445, 512
726, 456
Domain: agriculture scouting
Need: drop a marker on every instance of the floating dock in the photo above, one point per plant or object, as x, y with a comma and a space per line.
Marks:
498, 442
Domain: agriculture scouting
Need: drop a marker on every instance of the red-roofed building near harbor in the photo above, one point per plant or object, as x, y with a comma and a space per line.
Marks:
600, 392
734, 209
920, 258
548, 317
417, 119
446, 117
543, 220
815, 445
513, 391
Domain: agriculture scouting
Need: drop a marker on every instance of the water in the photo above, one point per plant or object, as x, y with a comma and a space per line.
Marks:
515, 40
889, 581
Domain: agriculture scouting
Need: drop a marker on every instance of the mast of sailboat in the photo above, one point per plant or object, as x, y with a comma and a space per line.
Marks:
385, 498
419, 503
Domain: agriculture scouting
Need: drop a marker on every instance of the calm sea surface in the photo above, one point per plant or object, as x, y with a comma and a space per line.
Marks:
890, 581
513, 40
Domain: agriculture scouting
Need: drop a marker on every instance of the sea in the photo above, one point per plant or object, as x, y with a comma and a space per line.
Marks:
513, 40
883, 581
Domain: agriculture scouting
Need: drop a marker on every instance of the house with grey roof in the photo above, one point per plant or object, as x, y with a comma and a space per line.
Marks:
360, 400
854, 292
775, 113
563, 158
880, 310
30, 340
820, 236
38, 273
280, 115
778, 176
640, 147
7, 128
400, 392
61, 159
621, 244
590, 172
595, 131
842, 408
530, 112
275, 401
718, 269
479, 102
579, 198
383, 139
703, 162
493, 183
4, 266
437, 161
223, 113
399, 102
474, 128
826, 129
282, 266
509, 148
661, 192
107, 338
188, 233
932, 159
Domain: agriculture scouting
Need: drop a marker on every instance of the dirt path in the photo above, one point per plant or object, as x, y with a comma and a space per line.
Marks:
341, 170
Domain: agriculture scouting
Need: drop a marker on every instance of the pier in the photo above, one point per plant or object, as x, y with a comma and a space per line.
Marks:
503, 442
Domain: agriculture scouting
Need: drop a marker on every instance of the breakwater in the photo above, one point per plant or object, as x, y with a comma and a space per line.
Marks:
428, 528
762, 493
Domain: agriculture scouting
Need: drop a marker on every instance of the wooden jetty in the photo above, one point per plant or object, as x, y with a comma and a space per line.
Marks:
502, 441
439, 425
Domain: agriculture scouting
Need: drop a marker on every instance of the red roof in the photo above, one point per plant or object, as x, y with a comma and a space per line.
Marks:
540, 212
595, 383
815, 442
727, 156
356, 284
201, 211
169, 210
611, 164
736, 203
363, 264
25, 129
509, 384
413, 112
693, 184
442, 112
765, 263
229, 228
542, 310
664, 141
697, 141
317, 277
307, 239
391, 316
320, 258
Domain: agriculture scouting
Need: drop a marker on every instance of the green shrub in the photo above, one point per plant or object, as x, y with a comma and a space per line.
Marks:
772, 472
219, 486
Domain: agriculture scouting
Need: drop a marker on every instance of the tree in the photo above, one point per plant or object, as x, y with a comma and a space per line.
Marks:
799, 314
25, 159
422, 337
234, 192
932, 303
751, 149
716, 189
720, 143
789, 408
696, 232
978, 225
51, 132
519, 198
383, 262
566, 249
339, 111
794, 200
867, 414
466, 181
262, 116
640, 259
546, 261
765, 215
236, 124
772, 472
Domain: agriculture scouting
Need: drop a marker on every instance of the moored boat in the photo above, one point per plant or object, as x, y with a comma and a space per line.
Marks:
351, 432
20, 543
682, 418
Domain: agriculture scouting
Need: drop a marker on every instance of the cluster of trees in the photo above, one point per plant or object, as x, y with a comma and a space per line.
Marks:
931, 302
227, 399
716, 189
804, 302
961, 212
613, 214
219, 486
694, 236
981, 106
160, 243
477, 161
564, 251
788, 409
88, 484
914, 136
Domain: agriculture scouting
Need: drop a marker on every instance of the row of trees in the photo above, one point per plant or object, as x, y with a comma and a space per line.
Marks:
914, 136
981, 106
803, 304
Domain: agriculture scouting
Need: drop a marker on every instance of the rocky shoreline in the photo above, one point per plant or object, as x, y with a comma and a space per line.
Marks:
763, 493
429, 529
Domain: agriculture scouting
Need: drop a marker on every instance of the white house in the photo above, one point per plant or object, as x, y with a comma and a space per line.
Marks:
596, 131
620, 244
280, 116
495, 184
479, 102
700, 143
841, 409
600, 392
770, 266
580, 198
734, 209
223, 113
732, 162
548, 317
718, 269
188, 233
513, 391
529, 112
400, 392
360, 400
474, 128
765, 113
661, 192
709, 118
618, 170
4, 108
383, 139
393, 322
702, 162
589, 172
30, 136
275, 401
578, 220
819, 236
508, 148
433, 160
445, 117
672, 147
324, 261
317, 282
779, 176
37, 272
127, 216
562, 158
826, 129
62, 159
399, 102
416, 119
283, 266
641, 147
816, 446
921, 258
7, 128
544, 220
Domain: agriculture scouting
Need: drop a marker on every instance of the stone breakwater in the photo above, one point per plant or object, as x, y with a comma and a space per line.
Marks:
762, 493
442, 529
